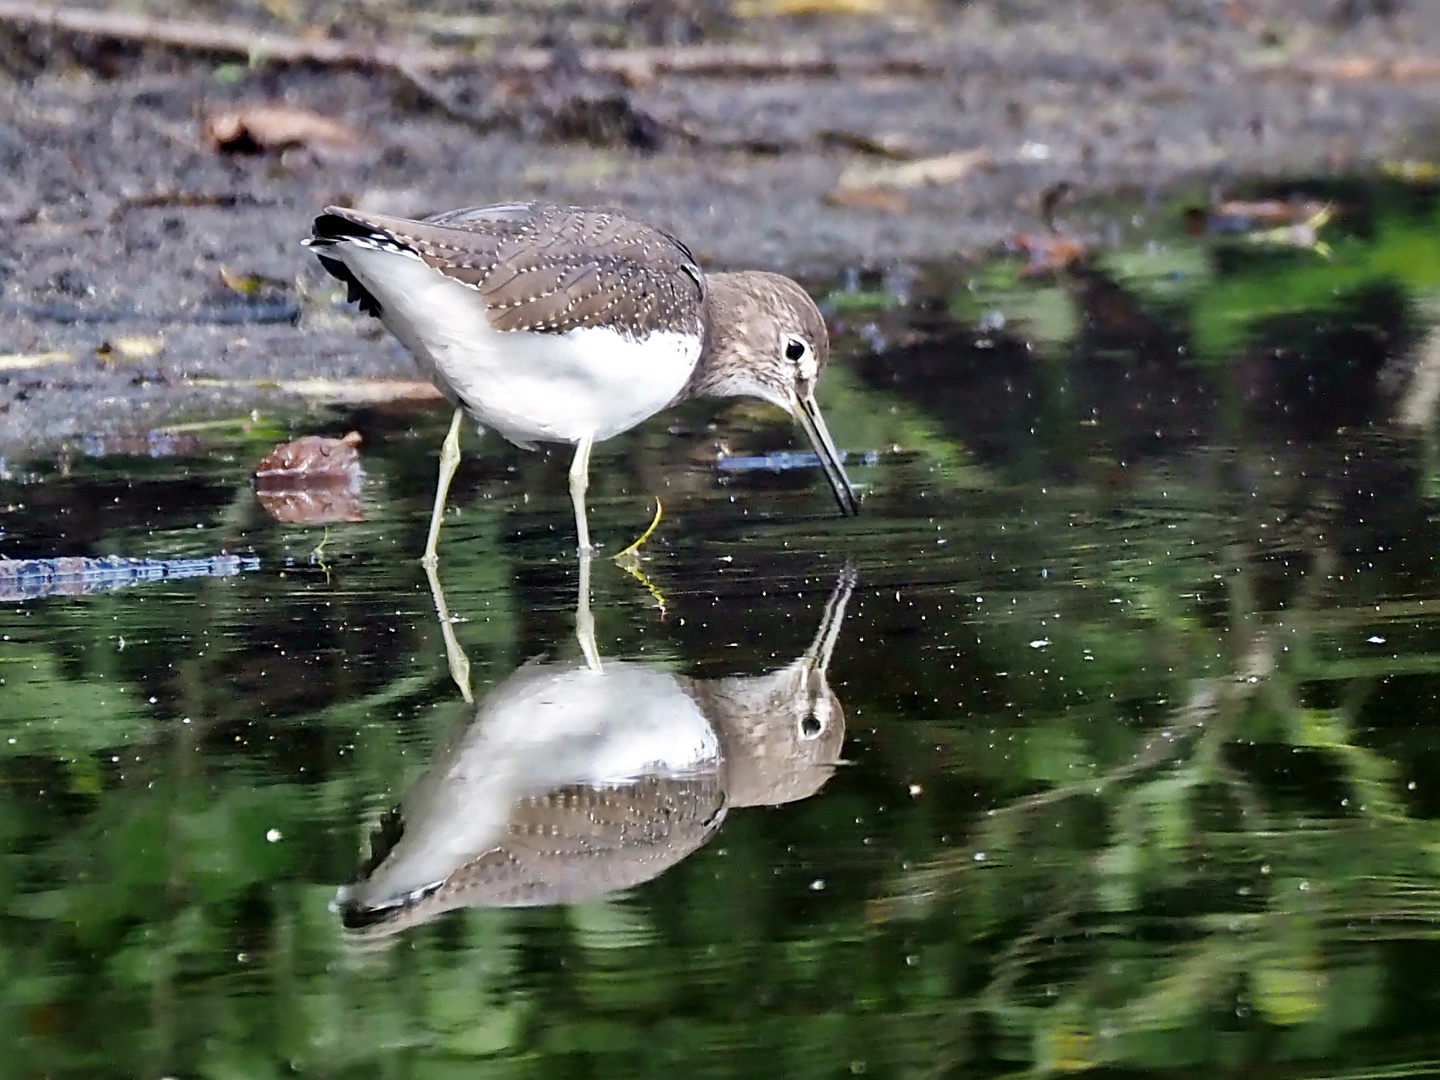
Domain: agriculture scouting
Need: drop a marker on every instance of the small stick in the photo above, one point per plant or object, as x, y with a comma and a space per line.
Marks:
717, 61
215, 38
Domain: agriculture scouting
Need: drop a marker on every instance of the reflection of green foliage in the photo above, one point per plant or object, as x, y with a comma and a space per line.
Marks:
867, 421
1401, 251
854, 300
1221, 310
46, 713
1125, 786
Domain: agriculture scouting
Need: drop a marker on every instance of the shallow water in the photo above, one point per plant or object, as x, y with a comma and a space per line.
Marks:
1123, 757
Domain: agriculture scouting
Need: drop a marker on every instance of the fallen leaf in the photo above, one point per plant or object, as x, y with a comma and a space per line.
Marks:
312, 458
250, 129
312, 480
882, 200
128, 349
945, 169
1049, 252
25, 361
249, 284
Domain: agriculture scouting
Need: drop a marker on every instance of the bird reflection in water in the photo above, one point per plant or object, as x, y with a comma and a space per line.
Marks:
574, 781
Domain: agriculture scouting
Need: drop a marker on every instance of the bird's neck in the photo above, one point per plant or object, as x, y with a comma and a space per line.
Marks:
726, 350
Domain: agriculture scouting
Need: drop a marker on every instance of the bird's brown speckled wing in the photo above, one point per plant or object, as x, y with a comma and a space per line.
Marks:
565, 846
551, 269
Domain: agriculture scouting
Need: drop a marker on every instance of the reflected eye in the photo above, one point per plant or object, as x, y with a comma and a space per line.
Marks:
810, 726
794, 348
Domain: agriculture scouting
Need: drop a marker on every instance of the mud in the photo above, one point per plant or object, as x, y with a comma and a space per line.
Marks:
117, 216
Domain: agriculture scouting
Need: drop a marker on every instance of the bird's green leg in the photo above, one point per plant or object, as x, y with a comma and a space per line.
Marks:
579, 481
454, 654
584, 620
449, 462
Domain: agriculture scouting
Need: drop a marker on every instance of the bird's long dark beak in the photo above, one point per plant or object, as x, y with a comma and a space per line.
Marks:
808, 414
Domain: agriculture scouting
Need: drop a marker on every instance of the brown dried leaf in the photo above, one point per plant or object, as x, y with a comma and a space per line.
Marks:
128, 349
880, 200
945, 169
253, 128
1049, 252
313, 480
312, 459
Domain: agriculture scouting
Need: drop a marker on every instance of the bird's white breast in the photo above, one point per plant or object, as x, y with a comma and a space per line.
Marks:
531, 387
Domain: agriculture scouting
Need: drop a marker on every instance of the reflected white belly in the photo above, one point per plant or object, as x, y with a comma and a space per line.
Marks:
531, 387
546, 728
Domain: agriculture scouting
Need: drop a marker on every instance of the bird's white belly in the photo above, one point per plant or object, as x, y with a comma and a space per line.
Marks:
531, 387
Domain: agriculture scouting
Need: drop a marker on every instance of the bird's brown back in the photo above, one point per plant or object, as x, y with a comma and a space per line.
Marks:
550, 269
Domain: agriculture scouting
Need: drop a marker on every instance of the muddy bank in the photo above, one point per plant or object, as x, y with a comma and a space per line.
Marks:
119, 216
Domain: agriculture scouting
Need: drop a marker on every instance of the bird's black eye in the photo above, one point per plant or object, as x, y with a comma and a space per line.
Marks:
794, 349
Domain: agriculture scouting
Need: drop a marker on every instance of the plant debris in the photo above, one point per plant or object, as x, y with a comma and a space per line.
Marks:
313, 480
26, 361
250, 285
1235, 217
1049, 253
253, 129
1273, 222
881, 200
311, 457
128, 348
924, 172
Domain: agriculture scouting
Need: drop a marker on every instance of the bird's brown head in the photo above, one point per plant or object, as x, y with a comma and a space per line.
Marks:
765, 338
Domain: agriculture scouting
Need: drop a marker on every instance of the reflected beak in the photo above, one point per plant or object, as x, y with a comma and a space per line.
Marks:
807, 413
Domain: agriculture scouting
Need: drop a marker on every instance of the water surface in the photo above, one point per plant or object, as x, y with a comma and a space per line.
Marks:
1101, 740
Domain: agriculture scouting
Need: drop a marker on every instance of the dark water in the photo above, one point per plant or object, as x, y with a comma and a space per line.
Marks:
1117, 753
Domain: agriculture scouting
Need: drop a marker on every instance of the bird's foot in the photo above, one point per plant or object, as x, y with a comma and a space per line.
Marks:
632, 553
629, 561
